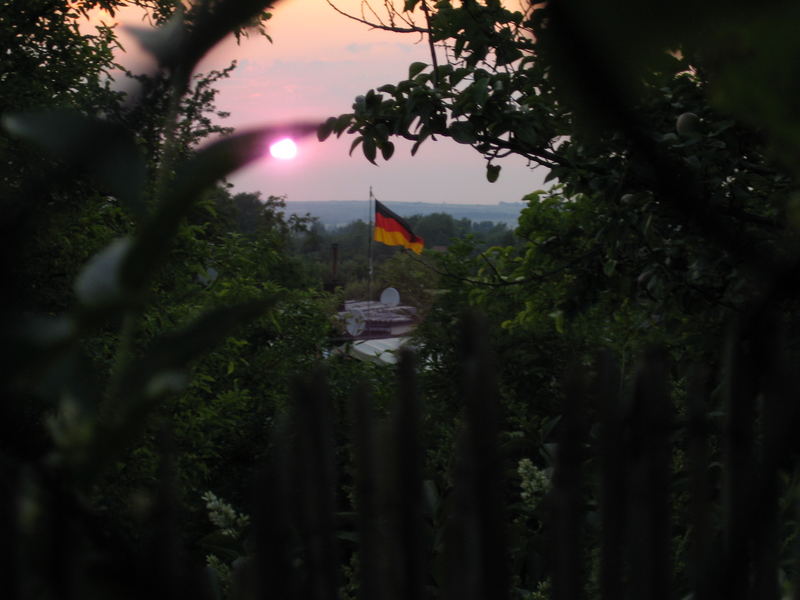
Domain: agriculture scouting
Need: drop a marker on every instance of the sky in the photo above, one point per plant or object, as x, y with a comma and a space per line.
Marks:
318, 63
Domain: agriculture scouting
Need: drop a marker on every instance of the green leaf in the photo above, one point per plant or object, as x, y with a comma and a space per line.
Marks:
355, 144
164, 43
360, 104
387, 150
462, 132
326, 129
458, 75
492, 172
458, 48
444, 70
479, 91
416, 68
527, 133
558, 320
410, 5
100, 282
370, 150
212, 25
342, 123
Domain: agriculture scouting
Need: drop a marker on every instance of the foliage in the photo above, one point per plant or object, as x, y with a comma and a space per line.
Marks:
535, 483
672, 210
412, 277
662, 188
126, 318
160, 323
227, 539
415, 278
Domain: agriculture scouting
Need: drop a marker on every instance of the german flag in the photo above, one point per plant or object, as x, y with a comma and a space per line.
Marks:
392, 230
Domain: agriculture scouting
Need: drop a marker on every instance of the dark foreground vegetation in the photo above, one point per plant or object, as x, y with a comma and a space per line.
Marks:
603, 405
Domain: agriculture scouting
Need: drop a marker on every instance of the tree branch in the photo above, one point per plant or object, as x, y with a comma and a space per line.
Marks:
431, 45
382, 26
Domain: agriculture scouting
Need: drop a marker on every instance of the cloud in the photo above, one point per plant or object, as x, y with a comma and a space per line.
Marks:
358, 48
288, 89
372, 49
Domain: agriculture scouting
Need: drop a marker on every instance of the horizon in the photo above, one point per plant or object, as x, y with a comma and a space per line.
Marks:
444, 203
336, 213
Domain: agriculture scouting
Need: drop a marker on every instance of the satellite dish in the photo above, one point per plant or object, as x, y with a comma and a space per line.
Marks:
355, 322
390, 297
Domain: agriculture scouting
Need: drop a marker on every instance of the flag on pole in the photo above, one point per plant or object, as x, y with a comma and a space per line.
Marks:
393, 230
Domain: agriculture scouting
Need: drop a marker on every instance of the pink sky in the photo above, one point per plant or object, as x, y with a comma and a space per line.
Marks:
317, 64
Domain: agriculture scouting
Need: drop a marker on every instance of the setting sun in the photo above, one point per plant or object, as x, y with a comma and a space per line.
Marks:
284, 149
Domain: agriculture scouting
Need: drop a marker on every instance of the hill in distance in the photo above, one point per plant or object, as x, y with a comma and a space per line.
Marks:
335, 213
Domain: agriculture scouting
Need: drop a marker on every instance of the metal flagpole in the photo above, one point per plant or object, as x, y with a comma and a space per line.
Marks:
371, 235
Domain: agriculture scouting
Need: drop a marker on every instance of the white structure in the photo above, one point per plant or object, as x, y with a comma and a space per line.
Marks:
380, 351
378, 329
379, 320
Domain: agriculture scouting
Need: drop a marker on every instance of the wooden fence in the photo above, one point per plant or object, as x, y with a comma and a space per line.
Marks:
733, 493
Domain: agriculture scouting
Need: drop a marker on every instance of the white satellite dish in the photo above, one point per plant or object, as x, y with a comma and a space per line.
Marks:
355, 322
390, 297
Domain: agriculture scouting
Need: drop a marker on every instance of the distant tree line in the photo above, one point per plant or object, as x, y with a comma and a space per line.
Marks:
309, 245
314, 243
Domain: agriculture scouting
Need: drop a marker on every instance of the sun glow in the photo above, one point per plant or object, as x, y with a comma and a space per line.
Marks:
284, 149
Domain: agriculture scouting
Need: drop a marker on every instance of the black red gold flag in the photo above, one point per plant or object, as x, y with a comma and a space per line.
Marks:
393, 230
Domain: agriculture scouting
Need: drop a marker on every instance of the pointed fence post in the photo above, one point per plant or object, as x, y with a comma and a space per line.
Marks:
701, 567
408, 469
273, 577
734, 582
613, 492
314, 478
567, 496
477, 561
651, 458
369, 548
